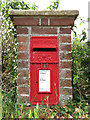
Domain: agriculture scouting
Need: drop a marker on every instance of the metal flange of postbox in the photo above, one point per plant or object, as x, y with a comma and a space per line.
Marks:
44, 70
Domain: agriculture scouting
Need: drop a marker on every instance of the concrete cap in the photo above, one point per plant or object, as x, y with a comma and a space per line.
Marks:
52, 13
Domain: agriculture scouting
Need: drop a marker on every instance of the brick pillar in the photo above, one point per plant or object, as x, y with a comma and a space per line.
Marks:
65, 64
43, 23
23, 64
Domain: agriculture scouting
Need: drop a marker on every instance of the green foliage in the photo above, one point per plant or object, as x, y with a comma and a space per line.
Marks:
36, 111
9, 55
80, 65
72, 109
54, 5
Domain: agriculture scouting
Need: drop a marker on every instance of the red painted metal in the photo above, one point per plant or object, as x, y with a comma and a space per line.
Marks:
44, 50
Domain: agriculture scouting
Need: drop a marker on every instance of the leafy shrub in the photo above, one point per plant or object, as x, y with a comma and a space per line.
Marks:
9, 55
80, 65
54, 5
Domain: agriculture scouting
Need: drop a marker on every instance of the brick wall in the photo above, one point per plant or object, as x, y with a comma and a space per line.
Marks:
43, 25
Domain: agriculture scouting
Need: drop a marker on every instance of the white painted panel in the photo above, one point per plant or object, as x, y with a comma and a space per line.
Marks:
44, 80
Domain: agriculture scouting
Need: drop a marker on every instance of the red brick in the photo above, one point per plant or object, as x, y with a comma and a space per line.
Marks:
65, 47
22, 56
65, 39
26, 21
22, 47
23, 99
66, 91
22, 90
65, 56
22, 64
21, 81
59, 22
39, 30
66, 83
64, 98
22, 31
65, 30
44, 21
65, 64
66, 73
22, 73
22, 38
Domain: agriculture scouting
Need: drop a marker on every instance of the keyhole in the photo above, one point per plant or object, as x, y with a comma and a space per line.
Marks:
44, 65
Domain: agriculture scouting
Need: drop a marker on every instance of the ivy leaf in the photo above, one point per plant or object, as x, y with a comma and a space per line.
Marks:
2, 5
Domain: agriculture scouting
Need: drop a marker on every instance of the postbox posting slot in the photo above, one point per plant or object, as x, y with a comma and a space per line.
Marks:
44, 49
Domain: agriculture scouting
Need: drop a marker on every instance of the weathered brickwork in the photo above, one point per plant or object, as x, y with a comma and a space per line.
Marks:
43, 24
22, 56
65, 73
66, 82
65, 39
22, 30
61, 22
65, 64
23, 98
65, 30
21, 81
66, 91
24, 89
65, 47
44, 21
64, 55
22, 64
22, 38
26, 21
22, 72
44, 30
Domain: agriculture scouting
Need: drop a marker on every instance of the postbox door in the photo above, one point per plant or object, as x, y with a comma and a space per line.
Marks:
44, 80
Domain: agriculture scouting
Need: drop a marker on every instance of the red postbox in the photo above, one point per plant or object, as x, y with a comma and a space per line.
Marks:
44, 70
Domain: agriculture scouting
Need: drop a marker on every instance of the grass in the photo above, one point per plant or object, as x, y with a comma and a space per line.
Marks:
70, 110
